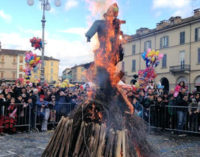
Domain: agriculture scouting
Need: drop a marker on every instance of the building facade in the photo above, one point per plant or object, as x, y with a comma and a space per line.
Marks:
12, 64
78, 73
179, 40
51, 71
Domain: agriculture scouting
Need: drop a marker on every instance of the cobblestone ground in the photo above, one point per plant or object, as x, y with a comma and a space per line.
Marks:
33, 144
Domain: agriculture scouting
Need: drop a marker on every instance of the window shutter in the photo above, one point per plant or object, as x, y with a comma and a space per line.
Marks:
150, 44
167, 38
133, 49
196, 34
183, 37
145, 45
133, 66
160, 42
198, 55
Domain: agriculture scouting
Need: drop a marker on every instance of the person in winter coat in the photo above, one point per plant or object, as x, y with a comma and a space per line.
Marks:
194, 109
182, 102
2, 109
148, 102
43, 112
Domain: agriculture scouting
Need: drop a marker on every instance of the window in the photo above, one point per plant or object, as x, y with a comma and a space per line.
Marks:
51, 70
182, 38
147, 45
133, 49
198, 55
164, 42
164, 61
21, 59
51, 78
51, 63
14, 59
133, 65
197, 34
21, 68
2, 58
182, 58
2, 75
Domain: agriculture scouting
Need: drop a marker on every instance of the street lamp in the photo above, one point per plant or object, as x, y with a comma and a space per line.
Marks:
45, 7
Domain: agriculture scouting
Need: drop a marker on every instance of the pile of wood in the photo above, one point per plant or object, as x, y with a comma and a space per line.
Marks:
92, 140
115, 133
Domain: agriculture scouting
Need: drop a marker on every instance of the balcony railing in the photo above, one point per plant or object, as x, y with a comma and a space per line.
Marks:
180, 68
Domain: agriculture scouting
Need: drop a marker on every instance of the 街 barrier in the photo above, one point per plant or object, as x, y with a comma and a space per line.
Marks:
175, 118
25, 117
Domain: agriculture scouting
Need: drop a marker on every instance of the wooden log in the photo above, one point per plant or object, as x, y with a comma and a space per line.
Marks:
58, 140
96, 139
118, 144
65, 137
79, 141
51, 143
66, 151
109, 142
111, 152
124, 143
101, 141
85, 149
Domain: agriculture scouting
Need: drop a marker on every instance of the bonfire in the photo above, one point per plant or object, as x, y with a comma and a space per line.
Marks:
105, 124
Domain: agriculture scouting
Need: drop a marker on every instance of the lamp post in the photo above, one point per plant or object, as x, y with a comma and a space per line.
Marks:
45, 7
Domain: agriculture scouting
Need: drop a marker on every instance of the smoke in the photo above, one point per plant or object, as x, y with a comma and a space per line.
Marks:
98, 7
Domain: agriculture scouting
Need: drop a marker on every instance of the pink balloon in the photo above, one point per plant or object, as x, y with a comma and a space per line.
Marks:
160, 56
149, 50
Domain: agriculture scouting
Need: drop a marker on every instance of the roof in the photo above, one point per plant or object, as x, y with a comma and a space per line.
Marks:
12, 52
49, 58
184, 22
85, 65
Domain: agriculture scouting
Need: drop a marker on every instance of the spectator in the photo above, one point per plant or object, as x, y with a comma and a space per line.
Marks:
182, 102
148, 102
194, 108
2, 108
11, 118
43, 112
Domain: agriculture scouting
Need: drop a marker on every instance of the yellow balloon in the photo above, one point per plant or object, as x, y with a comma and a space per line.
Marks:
31, 62
157, 53
153, 59
37, 59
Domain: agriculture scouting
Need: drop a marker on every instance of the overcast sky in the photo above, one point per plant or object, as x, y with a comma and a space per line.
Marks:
66, 25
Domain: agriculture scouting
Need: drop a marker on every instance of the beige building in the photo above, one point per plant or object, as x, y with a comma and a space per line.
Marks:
179, 40
78, 73
51, 71
12, 64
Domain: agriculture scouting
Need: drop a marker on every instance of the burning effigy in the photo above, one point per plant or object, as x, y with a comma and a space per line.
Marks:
105, 124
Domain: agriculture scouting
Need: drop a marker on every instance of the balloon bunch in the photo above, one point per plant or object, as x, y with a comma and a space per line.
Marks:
36, 43
152, 59
32, 63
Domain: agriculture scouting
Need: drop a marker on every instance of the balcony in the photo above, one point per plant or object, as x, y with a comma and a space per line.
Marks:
180, 69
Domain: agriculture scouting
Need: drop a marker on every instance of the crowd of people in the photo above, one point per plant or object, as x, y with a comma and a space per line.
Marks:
25, 104
163, 109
